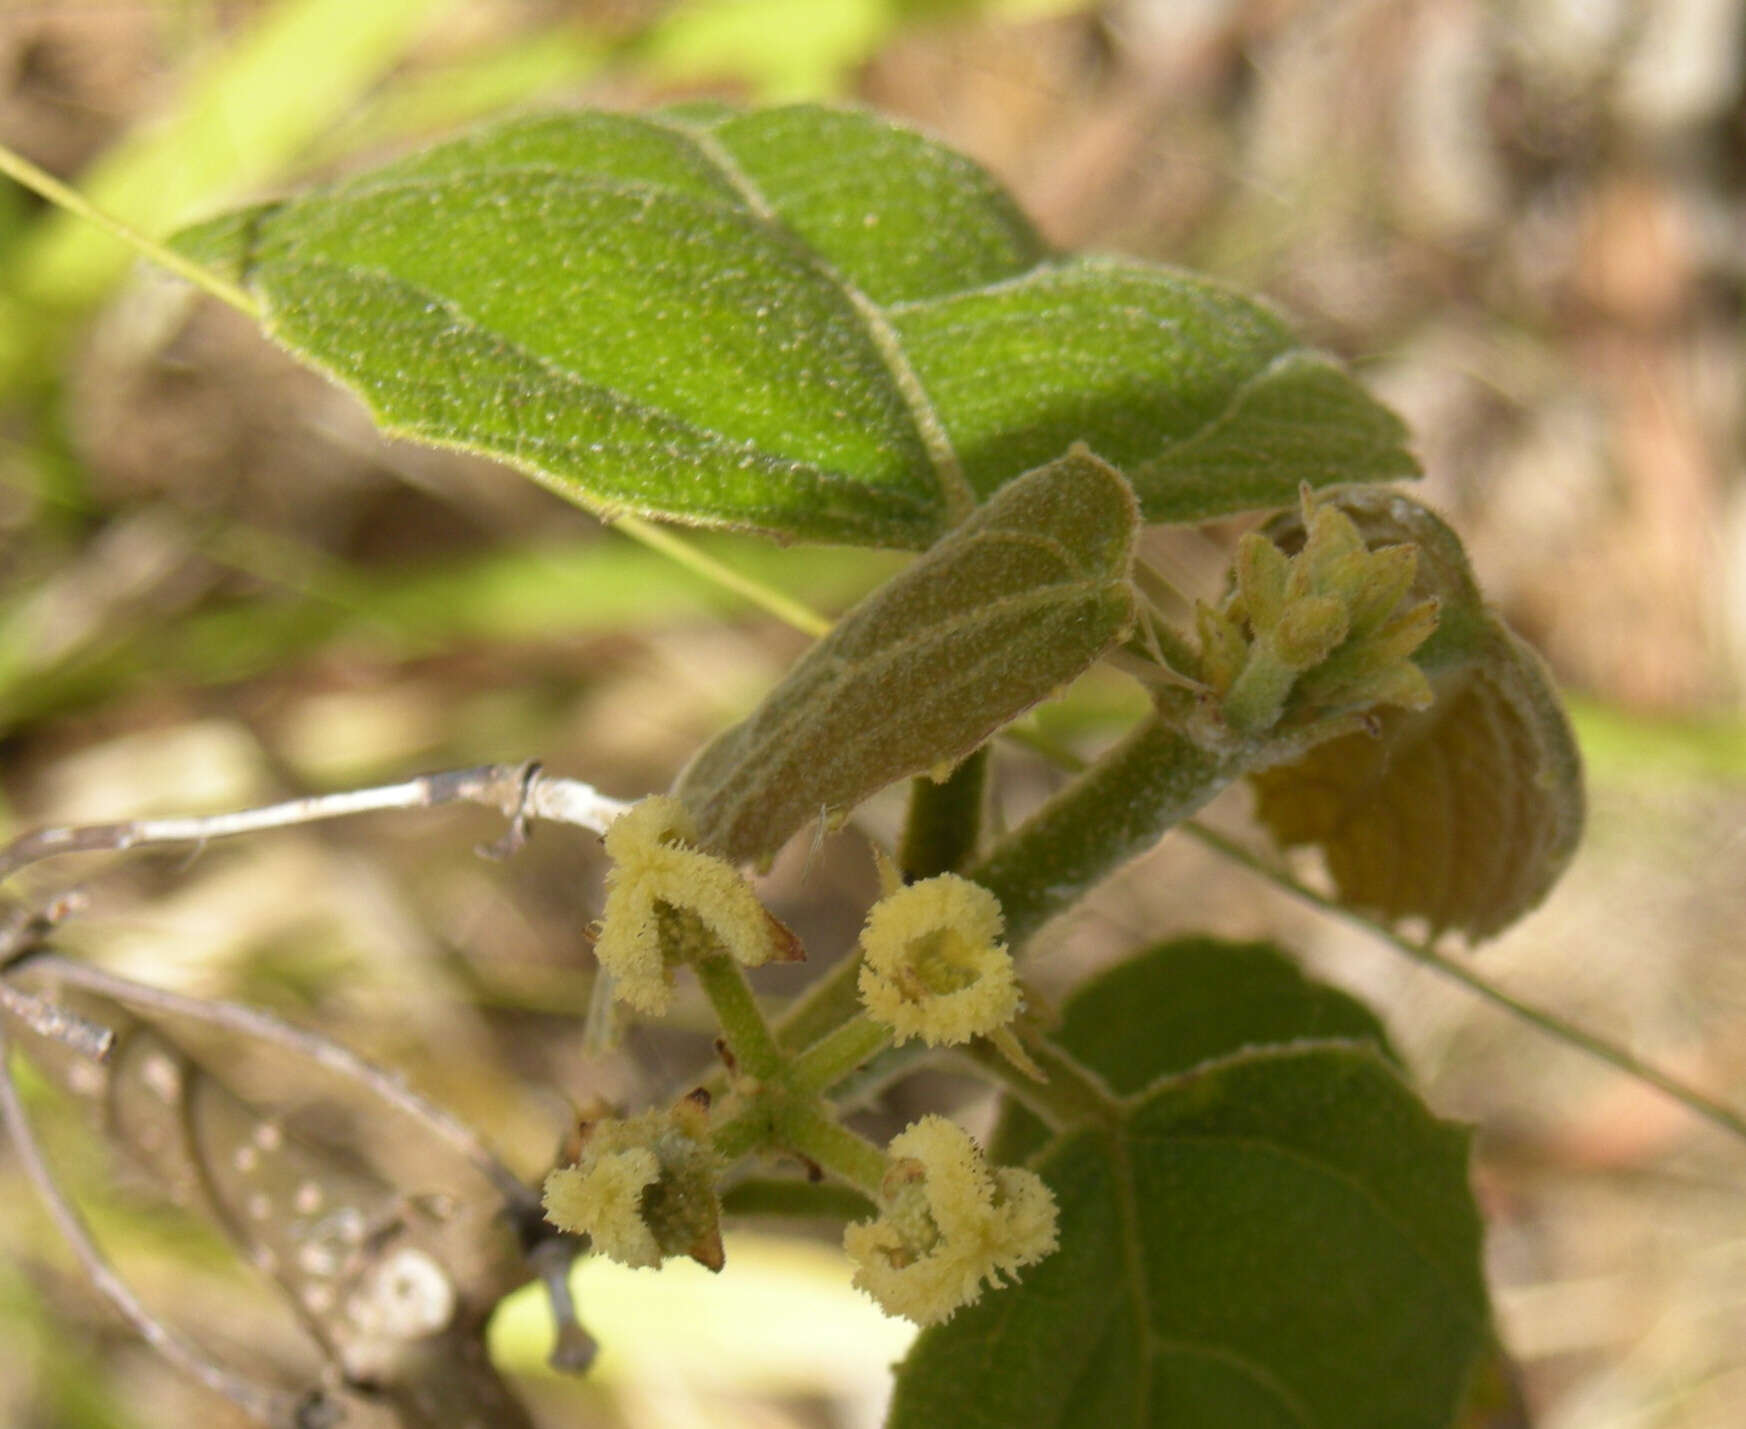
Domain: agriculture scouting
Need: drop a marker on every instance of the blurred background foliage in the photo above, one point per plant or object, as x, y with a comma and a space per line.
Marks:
1524, 221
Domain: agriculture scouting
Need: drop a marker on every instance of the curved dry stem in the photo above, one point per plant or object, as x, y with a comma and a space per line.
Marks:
1558, 1028
269, 1406
41, 182
251, 1022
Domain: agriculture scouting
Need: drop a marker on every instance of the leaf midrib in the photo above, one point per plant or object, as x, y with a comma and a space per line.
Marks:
706, 437
956, 494
955, 491
1344, 1180
1160, 1344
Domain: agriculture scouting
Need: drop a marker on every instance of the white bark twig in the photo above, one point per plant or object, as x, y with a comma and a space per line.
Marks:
49, 1020
520, 792
573, 1348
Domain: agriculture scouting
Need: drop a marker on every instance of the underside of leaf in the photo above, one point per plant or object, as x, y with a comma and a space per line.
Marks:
1008, 608
1282, 1239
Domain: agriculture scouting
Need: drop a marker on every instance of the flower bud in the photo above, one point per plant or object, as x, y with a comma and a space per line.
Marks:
1319, 634
1309, 631
1262, 570
1386, 577
1223, 646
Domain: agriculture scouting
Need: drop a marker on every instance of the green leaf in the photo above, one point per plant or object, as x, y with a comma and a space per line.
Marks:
1005, 610
1272, 1231
1199, 395
1463, 814
802, 321
1280, 1239
1179, 1004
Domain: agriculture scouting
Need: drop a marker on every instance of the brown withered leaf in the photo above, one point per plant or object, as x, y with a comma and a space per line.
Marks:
1464, 814
1004, 610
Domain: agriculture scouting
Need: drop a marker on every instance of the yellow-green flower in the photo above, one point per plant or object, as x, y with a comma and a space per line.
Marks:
667, 900
643, 1188
950, 1224
933, 965
1323, 632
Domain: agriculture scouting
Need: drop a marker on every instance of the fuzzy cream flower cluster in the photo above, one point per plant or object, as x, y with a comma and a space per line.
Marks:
950, 1223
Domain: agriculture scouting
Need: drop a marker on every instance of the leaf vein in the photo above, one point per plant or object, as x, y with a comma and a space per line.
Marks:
1257, 1374
1337, 1177
954, 488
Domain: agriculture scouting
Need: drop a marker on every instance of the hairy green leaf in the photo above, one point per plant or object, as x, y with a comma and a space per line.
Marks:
1179, 1004
1271, 1232
1279, 1239
1005, 610
802, 321
1463, 814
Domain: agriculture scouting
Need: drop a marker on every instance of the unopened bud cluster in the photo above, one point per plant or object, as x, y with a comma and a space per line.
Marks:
1317, 633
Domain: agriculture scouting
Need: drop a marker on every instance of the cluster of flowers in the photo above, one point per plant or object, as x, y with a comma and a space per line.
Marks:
933, 967
1303, 641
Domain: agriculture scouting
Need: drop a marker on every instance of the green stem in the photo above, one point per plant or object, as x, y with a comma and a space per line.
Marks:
810, 1129
804, 1126
1114, 811
823, 1007
945, 820
744, 1032
838, 1053
748, 1130
39, 181
1554, 1026
1698, 1103
785, 1196
1070, 1095
863, 1085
